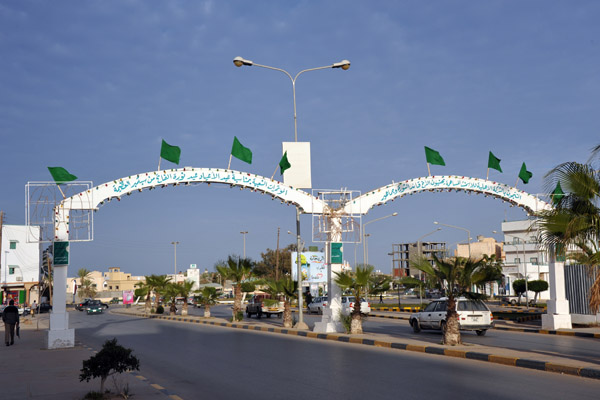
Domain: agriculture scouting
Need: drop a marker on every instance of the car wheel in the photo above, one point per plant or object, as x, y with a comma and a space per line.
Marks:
268, 315
443, 326
248, 313
259, 314
320, 311
280, 315
481, 332
415, 326
513, 302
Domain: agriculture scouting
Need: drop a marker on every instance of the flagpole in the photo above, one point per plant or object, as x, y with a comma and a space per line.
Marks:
159, 158
229, 165
428, 171
61, 192
516, 182
487, 177
274, 172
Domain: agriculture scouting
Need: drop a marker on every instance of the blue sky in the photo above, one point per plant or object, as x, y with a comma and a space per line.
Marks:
94, 86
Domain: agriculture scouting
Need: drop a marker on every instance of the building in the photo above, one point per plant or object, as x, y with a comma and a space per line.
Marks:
524, 256
403, 253
20, 263
107, 284
484, 246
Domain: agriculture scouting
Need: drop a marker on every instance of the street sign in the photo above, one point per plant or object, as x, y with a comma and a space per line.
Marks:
337, 256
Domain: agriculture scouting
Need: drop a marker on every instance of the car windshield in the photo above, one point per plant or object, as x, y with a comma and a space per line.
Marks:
94, 302
431, 306
472, 305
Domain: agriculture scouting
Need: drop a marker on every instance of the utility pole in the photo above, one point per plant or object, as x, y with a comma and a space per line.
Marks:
277, 256
1, 225
175, 265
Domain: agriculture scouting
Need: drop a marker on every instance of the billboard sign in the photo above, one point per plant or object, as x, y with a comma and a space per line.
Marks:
313, 267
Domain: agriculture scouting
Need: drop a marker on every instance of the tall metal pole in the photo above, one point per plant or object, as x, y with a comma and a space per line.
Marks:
244, 235
175, 263
365, 234
299, 269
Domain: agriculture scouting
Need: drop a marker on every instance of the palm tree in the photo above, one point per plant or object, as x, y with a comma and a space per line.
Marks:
86, 288
360, 284
208, 297
171, 292
287, 288
156, 284
144, 290
574, 222
185, 290
456, 276
237, 269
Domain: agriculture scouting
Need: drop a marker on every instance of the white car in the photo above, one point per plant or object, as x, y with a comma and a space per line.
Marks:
348, 305
318, 304
473, 315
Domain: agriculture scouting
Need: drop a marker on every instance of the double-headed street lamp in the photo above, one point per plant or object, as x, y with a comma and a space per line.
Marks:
366, 235
175, 263
344, 64
463, 229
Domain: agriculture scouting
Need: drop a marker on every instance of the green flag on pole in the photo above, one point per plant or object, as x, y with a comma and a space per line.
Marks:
284, 163
433, 157
170, 153
494, 162
524, 174
557, 194
240, 152
61, 175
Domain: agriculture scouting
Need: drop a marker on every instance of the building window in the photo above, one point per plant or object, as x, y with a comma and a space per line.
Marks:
11, 270
13, 245
110, 288
533, 260
517, 261
116, 288
93, 285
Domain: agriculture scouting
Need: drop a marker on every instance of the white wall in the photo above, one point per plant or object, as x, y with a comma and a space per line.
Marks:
25, 257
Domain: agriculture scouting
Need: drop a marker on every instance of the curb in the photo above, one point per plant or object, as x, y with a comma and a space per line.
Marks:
585, 372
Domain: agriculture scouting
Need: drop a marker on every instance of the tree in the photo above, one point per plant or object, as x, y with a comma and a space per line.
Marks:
519, 288
86, 289
287, 288
237, 269
574, 222
170, 292
185, 290
265, 268
144, 290
112, 359
207, 297
360, 284
538, 286
455, 276
157, 284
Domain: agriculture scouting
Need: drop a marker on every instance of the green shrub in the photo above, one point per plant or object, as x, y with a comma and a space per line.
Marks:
160, 310
346, 321
238, 316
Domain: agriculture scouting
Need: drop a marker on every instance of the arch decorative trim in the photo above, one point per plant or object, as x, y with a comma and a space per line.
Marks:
377, 197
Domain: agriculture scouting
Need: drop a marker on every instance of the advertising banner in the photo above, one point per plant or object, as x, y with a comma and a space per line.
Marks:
127, 296
313, 267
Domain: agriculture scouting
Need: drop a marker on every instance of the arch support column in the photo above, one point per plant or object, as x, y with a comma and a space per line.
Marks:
557, 315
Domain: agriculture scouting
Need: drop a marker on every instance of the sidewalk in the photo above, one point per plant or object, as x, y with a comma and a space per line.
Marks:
29, 371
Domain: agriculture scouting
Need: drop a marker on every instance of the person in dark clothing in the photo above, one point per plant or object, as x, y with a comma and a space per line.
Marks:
308, 298
10, 316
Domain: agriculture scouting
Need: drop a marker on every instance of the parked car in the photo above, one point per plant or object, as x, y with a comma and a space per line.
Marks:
82, 306
115, 300
473, 315
318, 305
43, 308
348, 305
257, 306
94, 307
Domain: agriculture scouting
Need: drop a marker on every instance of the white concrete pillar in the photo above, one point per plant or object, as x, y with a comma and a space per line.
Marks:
557, 316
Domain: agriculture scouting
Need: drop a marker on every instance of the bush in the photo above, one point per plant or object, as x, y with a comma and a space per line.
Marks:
238, 316
112, 359
346, 321
160, 310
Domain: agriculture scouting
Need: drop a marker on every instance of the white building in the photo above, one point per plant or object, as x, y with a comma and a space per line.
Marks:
524, 255
20, 263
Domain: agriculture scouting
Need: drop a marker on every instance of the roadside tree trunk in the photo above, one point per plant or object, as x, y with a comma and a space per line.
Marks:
452, 331
206, 311
287, 315
237, 303
184, 309
356, 323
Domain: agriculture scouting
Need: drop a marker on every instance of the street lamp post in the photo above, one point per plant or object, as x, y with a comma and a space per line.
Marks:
420, 252
244, 233
524, 266
344, 65
175, 263
463, 229
365, 234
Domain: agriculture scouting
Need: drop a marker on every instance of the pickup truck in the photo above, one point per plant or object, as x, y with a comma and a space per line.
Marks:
257, 307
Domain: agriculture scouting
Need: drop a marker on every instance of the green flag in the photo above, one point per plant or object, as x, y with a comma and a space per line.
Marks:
433, 157
524, 174
61, 175
284, 163
494, 162
241, 152
170, 153
557, 194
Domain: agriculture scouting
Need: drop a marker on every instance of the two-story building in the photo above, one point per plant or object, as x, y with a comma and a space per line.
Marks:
20, 263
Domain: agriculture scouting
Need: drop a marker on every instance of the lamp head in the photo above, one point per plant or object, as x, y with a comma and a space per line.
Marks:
435, 223
239, 61
394, 214
344, 64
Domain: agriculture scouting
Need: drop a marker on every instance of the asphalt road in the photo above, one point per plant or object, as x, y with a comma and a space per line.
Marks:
205, 362
577, 348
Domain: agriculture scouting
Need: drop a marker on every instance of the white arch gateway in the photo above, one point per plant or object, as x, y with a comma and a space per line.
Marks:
60, 335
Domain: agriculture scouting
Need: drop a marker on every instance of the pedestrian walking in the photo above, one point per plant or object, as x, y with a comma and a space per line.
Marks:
10, 316
381, 298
